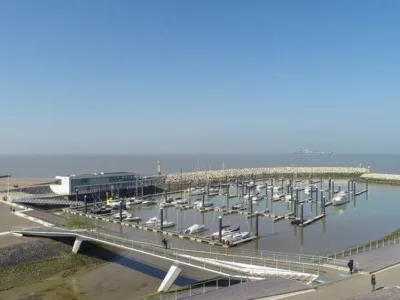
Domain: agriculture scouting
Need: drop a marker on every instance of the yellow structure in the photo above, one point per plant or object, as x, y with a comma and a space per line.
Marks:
159, 167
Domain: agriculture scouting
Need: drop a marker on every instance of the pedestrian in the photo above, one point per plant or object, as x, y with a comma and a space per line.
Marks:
351, 266
165, 243
373, 282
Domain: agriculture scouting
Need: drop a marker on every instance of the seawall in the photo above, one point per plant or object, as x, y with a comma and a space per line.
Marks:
264, 173
381, 178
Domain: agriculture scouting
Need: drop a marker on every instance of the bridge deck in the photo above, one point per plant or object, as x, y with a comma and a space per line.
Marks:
254, 290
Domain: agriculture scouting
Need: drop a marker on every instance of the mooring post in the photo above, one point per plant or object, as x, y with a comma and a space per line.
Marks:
322, 194
291, 192
220, 229
166, 195
287, 189
76, 195
323, 205
161, 218
348, 187
339, 188
366, 185
84, 199
320, 183
354, 187
297, 195
333, 187
312, 192
120, 211
203, 200
251, 204
330, 183
272, 182
301, 213
282, 184
256, 233
316, 194
242, 187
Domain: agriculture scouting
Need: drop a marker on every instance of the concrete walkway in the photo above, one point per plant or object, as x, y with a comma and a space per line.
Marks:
357, 285
378, 259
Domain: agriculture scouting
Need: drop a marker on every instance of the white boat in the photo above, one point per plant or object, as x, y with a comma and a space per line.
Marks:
288, 197
247, 197
307, 189
166, 224
149, 202
124, 215
239, 206
278, 196
180, 202
166, 204
339, 199
152, 221
256, 199
196, 228
132, 219
206, 204
197, 192
237, 236
260, 187
213, 190
190, 189
133, 201
225, 232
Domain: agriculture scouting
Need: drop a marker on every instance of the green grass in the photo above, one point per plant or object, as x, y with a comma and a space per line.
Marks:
76, 223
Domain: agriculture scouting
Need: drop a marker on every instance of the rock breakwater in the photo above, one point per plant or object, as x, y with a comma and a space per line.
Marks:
259, 173
381, 178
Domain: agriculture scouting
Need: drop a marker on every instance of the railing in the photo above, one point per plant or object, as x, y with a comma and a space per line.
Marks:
204, 262
362, 248
195, 289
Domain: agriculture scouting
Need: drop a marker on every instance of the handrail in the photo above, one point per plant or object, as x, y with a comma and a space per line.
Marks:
265, 256
362, 248
172, 254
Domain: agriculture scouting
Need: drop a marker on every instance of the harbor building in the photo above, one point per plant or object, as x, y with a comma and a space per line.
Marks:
122, 184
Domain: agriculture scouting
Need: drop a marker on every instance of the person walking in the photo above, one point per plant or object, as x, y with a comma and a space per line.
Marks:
373, 282
165, 243
351, 266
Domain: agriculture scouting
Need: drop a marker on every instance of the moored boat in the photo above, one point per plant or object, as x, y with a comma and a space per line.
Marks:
195, 228
339, 199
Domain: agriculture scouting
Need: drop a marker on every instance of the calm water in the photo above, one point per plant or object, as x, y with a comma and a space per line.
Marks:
48, 166
369, 217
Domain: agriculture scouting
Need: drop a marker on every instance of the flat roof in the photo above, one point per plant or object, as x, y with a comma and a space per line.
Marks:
108, 174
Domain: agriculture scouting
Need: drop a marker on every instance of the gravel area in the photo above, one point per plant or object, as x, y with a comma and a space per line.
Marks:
29, 250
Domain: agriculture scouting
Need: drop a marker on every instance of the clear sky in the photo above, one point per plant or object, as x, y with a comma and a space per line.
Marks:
199, 76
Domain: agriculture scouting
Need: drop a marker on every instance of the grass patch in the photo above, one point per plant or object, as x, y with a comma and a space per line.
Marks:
76, 223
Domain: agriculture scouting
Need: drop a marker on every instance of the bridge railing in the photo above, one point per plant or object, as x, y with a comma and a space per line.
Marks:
354, 250
204, 261
278, 260
195, 289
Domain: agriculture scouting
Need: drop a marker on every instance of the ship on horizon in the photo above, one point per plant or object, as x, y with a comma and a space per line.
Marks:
308, 152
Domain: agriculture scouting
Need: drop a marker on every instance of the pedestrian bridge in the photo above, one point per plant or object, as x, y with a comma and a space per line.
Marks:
234, 263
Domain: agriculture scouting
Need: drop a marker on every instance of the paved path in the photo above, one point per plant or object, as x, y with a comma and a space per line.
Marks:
255, 290
357, 285
378, 259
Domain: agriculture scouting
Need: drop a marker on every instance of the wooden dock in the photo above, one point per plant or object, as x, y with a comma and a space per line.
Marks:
312, 220
237, 243
360, 193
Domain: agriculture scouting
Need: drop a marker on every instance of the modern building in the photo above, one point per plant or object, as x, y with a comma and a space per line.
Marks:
121, 183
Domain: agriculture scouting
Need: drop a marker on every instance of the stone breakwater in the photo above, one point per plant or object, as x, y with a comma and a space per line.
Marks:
286, 172
381, 178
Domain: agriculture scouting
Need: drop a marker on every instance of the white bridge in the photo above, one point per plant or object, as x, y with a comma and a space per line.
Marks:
233, 263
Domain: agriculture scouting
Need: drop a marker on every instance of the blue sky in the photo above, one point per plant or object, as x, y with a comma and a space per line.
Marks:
199, 76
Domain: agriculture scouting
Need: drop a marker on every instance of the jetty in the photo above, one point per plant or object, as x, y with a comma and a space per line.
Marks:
267, 172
